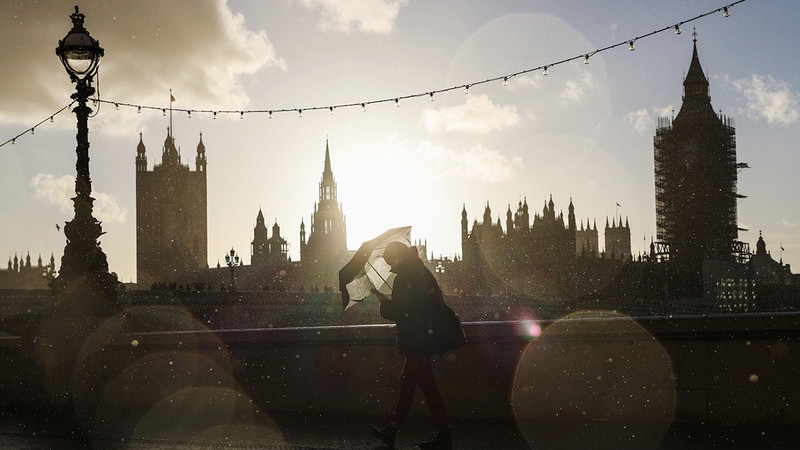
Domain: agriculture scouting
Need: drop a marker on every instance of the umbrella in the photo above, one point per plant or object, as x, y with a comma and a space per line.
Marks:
367, 270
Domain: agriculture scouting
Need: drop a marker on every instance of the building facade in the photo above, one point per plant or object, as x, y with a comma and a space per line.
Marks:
21, 274
267, 250
545, 255
171, 215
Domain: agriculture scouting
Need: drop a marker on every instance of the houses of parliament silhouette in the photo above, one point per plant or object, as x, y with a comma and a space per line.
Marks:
696, 253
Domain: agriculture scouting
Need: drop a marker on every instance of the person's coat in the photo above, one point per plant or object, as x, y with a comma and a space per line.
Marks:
415, 305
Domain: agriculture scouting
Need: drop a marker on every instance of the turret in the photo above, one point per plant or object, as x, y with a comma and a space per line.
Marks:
464, 224
200, 160
141, 158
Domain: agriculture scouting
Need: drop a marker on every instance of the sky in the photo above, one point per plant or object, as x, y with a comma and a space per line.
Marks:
582, 132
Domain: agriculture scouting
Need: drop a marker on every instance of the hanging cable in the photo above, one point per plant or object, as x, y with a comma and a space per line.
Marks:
30, 130
725, 10
586, 57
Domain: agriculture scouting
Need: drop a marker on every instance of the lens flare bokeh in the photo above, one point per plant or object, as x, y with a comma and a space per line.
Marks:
594, 379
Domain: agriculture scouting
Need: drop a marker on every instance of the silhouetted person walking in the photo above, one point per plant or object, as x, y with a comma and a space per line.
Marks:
415, 299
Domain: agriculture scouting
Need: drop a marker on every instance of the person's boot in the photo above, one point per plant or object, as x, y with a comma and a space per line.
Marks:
442, 439
385, 434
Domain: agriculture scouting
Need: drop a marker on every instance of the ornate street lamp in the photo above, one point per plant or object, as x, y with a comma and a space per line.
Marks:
232, 260
80, 55
439, 271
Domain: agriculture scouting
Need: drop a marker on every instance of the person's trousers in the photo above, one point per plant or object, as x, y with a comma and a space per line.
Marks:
418, 371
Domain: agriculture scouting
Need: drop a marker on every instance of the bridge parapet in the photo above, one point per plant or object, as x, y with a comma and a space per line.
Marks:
710, 369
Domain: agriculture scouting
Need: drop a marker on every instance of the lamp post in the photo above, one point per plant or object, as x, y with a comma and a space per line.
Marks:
439, 271
232, 260
80, 55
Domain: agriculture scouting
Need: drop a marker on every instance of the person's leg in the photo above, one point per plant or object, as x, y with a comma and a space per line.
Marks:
427, 384
408, 384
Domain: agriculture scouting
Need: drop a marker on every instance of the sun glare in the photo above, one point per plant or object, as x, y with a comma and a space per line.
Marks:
379, 190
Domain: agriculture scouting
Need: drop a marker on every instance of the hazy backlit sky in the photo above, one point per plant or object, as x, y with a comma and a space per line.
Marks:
583, 131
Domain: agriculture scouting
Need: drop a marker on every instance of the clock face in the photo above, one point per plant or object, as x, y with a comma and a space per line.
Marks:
689, 153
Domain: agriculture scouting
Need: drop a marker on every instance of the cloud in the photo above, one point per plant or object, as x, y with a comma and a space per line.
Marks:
202, 52
370, 16
478, 163
575, 90
535, 81
667, 111
787, 223
640, 121
770, 99
58, 191
478, 115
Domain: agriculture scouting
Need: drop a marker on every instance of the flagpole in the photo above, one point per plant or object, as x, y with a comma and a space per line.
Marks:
171, 99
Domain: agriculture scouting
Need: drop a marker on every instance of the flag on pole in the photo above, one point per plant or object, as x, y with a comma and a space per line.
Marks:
171, 97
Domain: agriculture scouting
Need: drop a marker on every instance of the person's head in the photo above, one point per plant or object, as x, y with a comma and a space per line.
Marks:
395, 253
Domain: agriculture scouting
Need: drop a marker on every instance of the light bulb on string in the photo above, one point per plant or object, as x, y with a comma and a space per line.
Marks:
13, 141
51, 119
33, 130
676, 28
269, 116
241, 114
189, 113
139, 110
215, 115
363, 107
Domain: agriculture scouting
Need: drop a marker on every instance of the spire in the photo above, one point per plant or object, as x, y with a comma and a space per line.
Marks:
169, 154
260, 217
201, 147
761, 246
327, 173
140, 149
327, 187
695, 85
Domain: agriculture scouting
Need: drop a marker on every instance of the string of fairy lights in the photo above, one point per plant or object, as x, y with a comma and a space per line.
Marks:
544, 69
